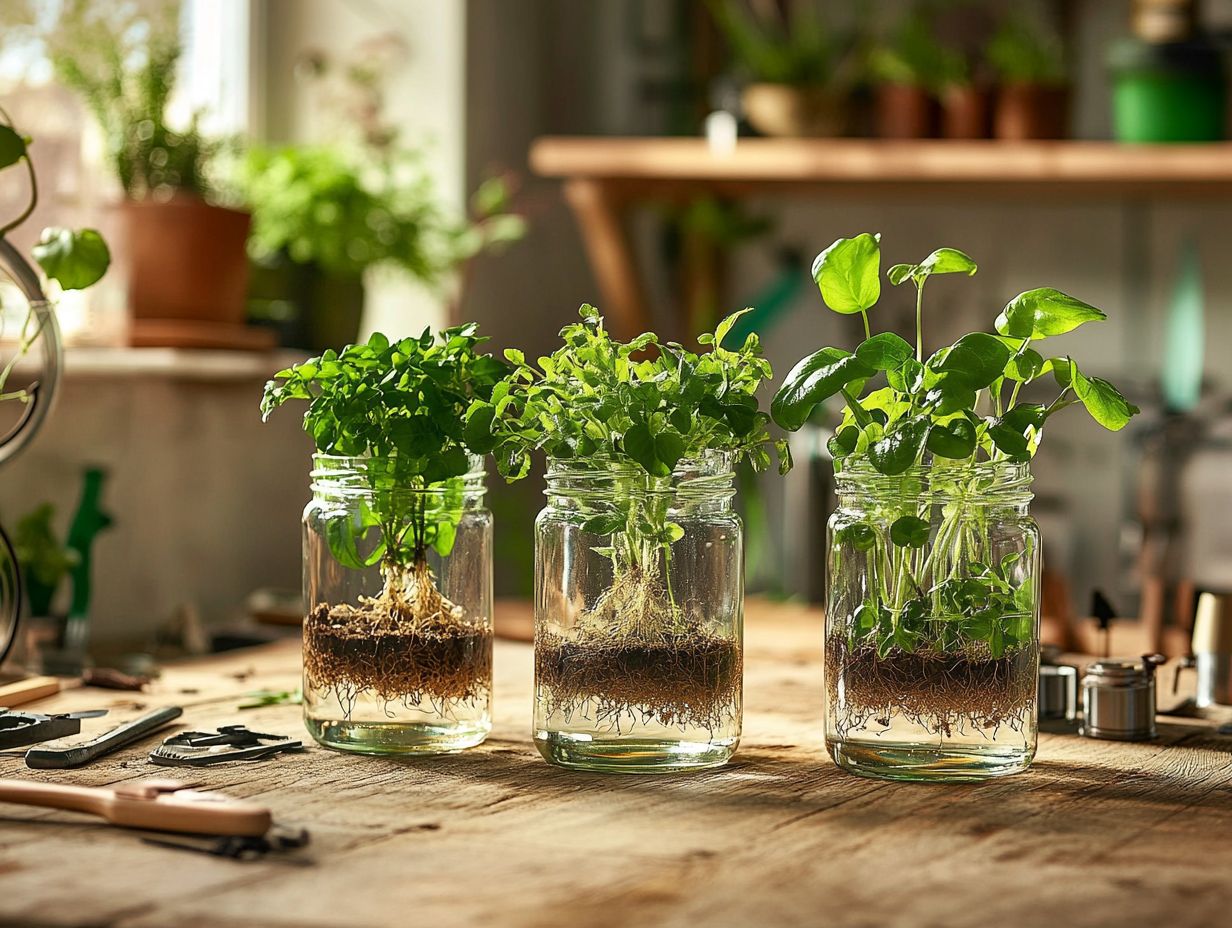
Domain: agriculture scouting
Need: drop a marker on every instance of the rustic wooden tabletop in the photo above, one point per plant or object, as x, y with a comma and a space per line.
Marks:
1097, 833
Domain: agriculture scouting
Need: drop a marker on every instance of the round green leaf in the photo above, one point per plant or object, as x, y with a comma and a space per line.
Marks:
1045, 312
900, 448
669, 446
955, 440
75, 259
1103, 401
978, 359
948, 261
12, 146
909, 532
860, 536
900, 272
884, 351
848, 273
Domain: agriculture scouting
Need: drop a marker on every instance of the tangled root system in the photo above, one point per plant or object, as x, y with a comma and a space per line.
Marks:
942, 692
409, 645
634, 656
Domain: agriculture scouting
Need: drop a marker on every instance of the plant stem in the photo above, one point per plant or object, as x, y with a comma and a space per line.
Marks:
919, 321
864, 316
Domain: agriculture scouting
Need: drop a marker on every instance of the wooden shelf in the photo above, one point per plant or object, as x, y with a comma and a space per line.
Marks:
1116, 168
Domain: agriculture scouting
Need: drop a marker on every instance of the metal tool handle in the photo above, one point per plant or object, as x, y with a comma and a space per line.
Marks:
80, 754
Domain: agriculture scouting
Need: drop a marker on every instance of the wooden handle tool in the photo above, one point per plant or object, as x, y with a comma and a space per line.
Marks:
161, 805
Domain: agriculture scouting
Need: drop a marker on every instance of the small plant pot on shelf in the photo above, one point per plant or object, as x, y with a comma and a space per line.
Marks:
310, 307
932, 636
398, 635
904, 111
639, 605
186, 262
782, 110
1027, 112
966, 113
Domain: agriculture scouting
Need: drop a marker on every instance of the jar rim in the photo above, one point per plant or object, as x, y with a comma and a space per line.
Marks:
991, 481
328, 464
710, 463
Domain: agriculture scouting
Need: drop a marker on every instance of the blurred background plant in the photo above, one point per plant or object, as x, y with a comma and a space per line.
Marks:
45, 559
1024, 51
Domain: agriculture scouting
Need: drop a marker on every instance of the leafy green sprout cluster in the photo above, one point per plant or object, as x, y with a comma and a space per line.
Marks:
906, 414
641, 408
401, 405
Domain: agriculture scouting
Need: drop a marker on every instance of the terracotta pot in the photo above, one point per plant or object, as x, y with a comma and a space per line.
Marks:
794, 112
966, 113
905, 112
1031, 111
186, 260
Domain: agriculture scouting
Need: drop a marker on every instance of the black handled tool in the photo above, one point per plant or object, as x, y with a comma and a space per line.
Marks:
17, 729
78, 755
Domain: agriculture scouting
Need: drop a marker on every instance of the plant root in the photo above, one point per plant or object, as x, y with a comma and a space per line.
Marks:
635, 655
941, 691
409, 645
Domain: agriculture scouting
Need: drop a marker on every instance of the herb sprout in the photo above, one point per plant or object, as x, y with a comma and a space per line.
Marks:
933, 424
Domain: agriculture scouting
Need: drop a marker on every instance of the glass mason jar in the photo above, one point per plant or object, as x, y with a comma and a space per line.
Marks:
932, 622
397, 646
639, 617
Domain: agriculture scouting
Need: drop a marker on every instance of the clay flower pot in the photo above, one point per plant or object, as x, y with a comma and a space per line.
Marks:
1031, 111
965, 113
904, 112
186, 260
794, 112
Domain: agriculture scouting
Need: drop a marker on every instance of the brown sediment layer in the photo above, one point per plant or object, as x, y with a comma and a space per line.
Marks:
943, 692
690, 679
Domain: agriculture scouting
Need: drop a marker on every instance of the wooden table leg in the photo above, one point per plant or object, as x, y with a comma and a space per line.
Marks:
611, 255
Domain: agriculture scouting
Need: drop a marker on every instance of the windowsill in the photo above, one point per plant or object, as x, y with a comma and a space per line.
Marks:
176, 363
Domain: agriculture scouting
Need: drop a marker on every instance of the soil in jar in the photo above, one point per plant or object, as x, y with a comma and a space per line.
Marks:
636, 656
409, 645
945, 693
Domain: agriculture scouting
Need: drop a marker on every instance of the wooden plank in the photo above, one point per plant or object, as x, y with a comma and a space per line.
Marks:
1096, 833
863, 162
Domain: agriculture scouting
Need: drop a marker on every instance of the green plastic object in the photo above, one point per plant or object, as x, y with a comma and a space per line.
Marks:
89, 520
1184, 334
1172, 92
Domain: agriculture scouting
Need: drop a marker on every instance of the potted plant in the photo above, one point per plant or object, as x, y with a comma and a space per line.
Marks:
933, 579
794, 65
1033, 90
321, 219
639, 579
965, 103
908, 70
184, 253
397, 544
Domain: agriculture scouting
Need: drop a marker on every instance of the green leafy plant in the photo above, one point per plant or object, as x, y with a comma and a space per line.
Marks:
1023, 52
74, 258
594, 401
122, 60
398, 406
935, 424
44, 558
781, 46
912, 55
320, 205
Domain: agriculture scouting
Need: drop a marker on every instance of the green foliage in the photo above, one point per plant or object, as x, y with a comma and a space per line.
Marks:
911, 55
12, 146
594, 398
781, 46
401, 405
320, 205
73, 258
948, 414
122, 60
45, 560
1023, 52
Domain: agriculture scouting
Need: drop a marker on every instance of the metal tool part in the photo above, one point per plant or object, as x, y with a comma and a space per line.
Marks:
1058, 693
1212, 651
1118, 699
238, 847
230, 742
17, 729
78, 755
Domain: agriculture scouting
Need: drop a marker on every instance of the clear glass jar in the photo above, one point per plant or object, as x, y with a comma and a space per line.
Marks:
397, 649
639, 617
932, 622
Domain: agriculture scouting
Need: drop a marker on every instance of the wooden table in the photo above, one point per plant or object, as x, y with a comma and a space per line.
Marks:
1097, 833
604, 177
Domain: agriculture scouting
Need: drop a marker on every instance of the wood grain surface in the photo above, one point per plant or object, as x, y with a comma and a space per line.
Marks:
1097, 833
